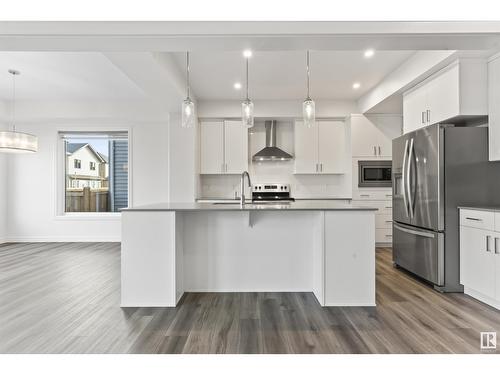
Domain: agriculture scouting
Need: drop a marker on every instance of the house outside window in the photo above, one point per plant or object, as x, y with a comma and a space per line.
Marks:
96, 171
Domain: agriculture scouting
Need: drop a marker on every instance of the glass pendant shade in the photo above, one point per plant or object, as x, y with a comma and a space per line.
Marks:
16, 142
247, 113
187, 113
309, 112
308, 106
187, 104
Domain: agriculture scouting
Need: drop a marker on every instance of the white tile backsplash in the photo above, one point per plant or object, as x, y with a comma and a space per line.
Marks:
301, 186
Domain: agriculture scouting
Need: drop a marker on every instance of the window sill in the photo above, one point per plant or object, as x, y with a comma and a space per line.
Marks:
90, 216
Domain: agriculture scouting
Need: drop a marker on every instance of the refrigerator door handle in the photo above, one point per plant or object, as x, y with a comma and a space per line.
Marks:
408, 169
403, 179
413, 231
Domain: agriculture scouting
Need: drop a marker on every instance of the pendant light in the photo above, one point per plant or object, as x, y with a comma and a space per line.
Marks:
308, 106
14, 141
247, 104
187, 104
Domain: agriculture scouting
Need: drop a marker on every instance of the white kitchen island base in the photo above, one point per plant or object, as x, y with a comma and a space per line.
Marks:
168, 252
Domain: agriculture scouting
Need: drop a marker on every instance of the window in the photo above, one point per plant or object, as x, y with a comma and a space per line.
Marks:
104, 186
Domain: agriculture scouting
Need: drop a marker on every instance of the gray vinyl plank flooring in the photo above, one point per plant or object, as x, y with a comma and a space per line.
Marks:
64, 298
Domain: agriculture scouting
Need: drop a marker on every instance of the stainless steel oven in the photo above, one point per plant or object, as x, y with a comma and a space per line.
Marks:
374, 173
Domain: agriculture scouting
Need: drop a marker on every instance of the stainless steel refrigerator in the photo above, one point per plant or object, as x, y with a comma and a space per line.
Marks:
434, 170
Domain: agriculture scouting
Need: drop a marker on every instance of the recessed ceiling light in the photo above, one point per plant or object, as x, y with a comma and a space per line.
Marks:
247, 53
237, 86
356, 85
369, 53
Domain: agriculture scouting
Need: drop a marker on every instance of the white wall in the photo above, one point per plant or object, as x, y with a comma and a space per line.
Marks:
32, 180
183, 161
3, 188
275, 108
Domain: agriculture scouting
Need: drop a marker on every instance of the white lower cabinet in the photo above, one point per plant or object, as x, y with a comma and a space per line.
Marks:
480, 256
382, 200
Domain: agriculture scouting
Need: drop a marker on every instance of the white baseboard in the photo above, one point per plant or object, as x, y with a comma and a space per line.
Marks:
351, 304
481, 297
63, 239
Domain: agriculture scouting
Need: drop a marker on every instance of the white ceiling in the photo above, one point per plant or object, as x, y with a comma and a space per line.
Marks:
64, 76
282, 74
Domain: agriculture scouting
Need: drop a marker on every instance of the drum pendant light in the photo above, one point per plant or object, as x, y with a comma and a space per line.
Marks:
14, 141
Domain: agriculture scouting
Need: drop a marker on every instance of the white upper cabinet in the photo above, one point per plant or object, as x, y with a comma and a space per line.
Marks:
372, 135
235, 147
414, 115
332, 146
211, 147
458, 90
306, 148
494, 108
322, 149
223, 147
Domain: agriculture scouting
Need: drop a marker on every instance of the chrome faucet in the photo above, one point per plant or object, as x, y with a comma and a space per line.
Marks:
242, 192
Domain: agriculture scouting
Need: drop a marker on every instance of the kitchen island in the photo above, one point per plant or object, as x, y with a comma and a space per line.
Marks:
321, 246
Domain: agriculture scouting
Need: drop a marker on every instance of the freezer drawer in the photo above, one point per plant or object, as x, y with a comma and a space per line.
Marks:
419, 251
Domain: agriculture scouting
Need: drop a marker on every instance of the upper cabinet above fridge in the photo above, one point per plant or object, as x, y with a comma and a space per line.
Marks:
456, 93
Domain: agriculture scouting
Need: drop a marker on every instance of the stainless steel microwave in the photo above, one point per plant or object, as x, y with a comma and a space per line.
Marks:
374, 173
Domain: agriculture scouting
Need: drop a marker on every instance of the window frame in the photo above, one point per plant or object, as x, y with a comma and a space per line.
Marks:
92, 165
60, 178
77, 164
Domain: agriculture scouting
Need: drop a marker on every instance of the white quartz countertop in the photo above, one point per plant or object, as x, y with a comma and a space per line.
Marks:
306, 205
480, 208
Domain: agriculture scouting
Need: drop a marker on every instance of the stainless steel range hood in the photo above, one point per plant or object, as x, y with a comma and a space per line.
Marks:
271, 152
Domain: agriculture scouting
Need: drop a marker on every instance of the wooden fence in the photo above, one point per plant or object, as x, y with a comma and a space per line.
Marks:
87, 200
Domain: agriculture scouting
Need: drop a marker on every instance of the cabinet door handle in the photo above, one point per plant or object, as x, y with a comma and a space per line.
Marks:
428, 116
488, 244
225, 168
321, 167
364, 195
379, 150
375, 150
388, 221
423, 117
316, 167
473, 219
496, 246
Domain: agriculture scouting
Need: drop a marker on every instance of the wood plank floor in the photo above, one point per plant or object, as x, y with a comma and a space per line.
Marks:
64, 298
